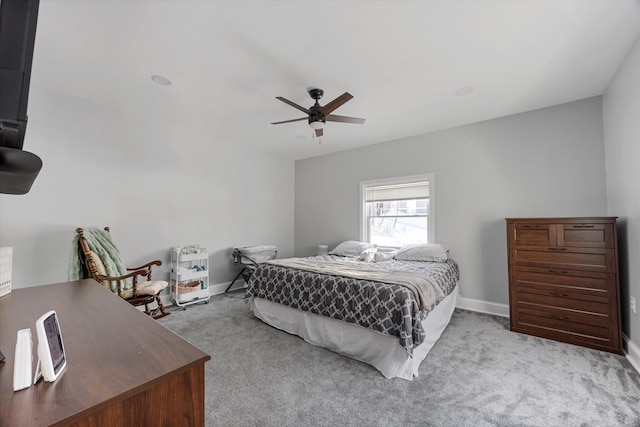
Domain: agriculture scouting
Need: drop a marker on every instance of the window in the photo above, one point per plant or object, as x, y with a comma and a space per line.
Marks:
398, 211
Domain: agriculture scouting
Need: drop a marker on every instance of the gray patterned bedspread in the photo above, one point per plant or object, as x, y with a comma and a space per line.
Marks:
387, 308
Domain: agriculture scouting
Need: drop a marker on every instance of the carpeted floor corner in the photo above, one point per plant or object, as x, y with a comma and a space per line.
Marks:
478, 374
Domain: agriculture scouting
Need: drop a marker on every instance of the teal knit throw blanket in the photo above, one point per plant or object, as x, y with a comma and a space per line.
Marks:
100, 242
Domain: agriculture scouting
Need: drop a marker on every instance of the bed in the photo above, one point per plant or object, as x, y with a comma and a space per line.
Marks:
384, 308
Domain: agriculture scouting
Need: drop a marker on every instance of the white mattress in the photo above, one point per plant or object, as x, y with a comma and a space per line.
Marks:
381, 351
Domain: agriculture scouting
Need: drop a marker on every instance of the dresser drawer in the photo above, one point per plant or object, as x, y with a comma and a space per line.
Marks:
587, 259
585, 235
533, 234
575, 282
598, 337
567, 305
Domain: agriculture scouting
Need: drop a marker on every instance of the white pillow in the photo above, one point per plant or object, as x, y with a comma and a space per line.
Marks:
368, 255
425, 252
382, 256
351, 248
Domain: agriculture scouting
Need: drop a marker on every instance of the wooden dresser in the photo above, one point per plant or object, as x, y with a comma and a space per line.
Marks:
563, 280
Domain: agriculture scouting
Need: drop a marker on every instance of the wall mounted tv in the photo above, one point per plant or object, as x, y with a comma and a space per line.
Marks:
18, 168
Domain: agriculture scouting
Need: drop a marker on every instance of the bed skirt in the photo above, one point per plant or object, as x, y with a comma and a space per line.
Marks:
380, 351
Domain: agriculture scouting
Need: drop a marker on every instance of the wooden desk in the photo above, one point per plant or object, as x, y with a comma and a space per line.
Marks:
123, 368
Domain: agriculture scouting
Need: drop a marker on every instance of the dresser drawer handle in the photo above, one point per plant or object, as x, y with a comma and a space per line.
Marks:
530, 226
557, 317
557, 249
582, 226
557, 294
558, 271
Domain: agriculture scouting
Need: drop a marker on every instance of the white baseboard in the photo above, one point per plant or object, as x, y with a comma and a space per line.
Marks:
463, 303
632, 352
483, 306
217, 289
220, 288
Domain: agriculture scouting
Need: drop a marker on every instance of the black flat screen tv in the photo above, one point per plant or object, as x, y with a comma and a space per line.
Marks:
18, 20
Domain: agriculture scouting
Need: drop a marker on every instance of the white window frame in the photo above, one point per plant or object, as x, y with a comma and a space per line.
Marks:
428, 177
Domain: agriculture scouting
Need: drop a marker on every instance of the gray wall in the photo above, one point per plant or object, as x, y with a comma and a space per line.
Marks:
105, 167
621, 116
547, 162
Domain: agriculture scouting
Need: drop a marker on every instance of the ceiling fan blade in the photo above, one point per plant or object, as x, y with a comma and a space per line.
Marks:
325, 110
319, 132
344, 119
293, 104
289, 121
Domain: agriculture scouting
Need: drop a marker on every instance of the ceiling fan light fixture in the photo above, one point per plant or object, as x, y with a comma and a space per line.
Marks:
316, 125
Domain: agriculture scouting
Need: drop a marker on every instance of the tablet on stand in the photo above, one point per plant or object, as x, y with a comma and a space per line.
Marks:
51, 356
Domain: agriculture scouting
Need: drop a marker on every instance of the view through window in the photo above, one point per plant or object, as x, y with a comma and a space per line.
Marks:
397, 213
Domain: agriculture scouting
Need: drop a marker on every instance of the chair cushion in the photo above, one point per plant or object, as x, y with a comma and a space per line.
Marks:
101, 269
99, 241
152, 287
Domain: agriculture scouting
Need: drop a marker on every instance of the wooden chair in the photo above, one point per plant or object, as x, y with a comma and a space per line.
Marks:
140, 293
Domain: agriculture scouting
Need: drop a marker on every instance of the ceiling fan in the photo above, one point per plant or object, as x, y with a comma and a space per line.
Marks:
318, 114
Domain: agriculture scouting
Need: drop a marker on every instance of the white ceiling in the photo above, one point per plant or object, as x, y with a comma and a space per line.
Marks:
401, 60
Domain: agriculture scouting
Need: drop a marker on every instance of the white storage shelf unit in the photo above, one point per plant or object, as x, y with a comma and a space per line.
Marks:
189, 279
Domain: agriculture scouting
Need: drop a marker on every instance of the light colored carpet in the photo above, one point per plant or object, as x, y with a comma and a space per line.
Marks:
478, 374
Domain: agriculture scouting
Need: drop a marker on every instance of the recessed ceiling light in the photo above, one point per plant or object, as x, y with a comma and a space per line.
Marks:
161, 80
464, 91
